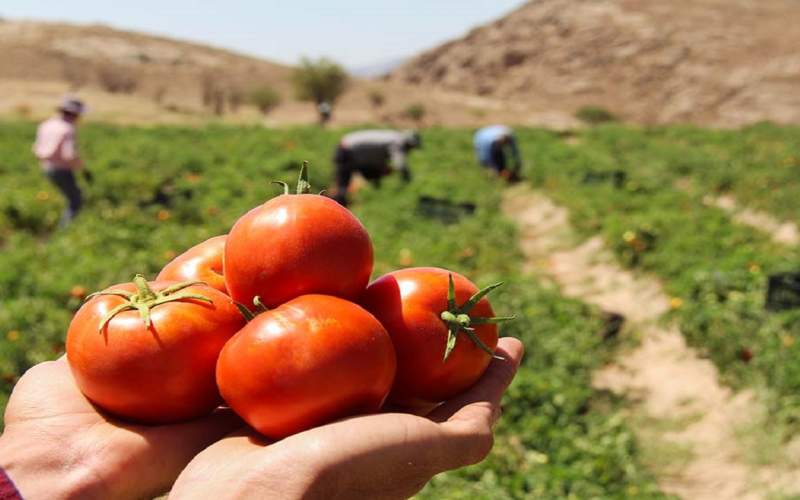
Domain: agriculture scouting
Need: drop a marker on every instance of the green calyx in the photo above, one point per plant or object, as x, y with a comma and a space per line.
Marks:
146, 299
303, 186
458, 320
247, 313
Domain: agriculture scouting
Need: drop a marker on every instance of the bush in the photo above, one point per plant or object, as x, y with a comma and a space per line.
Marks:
594, 115
265, 99
415, 112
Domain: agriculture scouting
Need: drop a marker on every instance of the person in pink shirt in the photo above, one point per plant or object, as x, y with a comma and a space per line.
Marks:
56, 148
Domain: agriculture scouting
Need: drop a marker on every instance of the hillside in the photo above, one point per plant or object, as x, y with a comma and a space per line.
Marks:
719, 62
128, 77
170, 72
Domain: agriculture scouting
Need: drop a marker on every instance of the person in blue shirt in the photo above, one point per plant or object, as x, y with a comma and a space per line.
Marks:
493, 146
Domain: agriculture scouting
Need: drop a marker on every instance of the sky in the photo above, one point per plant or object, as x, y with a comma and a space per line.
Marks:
354, 32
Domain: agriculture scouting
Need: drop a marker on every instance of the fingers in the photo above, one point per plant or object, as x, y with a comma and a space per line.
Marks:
482, 401
468, 419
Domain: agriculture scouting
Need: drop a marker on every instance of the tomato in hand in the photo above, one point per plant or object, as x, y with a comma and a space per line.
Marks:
147, 352
443, 330
310, 361
295, 245
202, 262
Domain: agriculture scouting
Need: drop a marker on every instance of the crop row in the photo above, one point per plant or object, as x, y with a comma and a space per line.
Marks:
157, 191
620, 182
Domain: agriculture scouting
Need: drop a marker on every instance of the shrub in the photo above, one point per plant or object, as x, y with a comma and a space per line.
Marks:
265, 99
594, 115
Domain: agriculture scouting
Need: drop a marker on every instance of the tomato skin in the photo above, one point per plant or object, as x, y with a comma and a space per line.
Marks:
409, 302
295, 245
310, 361
202, 262
161, 375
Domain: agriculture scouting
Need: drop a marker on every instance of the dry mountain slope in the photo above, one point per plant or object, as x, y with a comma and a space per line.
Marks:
97, 55
720, 62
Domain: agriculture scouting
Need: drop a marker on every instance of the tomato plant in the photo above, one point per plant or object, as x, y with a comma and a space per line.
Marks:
202, 262
294, 245
314, 359
147, 351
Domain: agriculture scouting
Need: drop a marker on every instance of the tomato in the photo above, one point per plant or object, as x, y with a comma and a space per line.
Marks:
413, 305
294, 245
202, 262
310, 361
155, 364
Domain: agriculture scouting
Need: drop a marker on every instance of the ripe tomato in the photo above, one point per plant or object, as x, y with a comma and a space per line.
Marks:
155, 364
443, 346
312, 360
202, 262
294, 245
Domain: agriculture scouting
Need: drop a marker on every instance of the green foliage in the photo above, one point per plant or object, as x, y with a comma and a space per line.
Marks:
415, 112
594, 115
319, 81
158, 191
265, 99
715, 268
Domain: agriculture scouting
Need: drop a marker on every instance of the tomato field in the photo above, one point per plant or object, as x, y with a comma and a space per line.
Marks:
158, 191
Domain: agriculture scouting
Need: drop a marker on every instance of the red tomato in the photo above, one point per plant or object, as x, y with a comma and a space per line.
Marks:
202, 262
410, 303
295, 245
310, 361
159, 373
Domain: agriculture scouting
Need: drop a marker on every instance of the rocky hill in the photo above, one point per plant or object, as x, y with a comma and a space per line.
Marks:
720, 62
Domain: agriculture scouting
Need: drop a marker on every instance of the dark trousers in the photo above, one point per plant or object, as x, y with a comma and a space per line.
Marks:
64, 180
346, 166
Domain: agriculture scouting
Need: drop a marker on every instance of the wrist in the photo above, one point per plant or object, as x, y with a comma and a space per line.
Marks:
40, 468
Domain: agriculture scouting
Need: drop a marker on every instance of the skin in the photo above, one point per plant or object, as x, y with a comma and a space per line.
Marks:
158, 375
202, 262
382, 457
58, 445
310, 361
294, 245
409, 303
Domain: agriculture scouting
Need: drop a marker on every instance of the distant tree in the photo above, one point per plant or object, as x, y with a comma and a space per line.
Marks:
415, 112
320, 81
265, 98
235, 98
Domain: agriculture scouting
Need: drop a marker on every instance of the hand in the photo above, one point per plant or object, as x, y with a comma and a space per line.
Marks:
56, 444
386, 456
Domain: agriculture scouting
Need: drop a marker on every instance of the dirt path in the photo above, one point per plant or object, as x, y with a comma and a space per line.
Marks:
785, 233
689, 424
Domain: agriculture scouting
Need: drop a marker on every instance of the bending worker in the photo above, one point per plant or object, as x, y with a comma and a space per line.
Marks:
56, 147
374, 154
492, 145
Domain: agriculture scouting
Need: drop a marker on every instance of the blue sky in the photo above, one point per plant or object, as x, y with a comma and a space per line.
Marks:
354, 32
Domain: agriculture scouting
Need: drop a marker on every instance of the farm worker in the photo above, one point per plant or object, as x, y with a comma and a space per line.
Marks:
56, 147
492, 144
374, 154
56, 444
324, 109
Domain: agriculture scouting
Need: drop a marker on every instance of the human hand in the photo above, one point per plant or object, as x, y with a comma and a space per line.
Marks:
385, 456
56, 444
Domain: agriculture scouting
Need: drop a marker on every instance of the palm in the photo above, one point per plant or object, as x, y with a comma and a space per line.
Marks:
386, 456
127, 460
